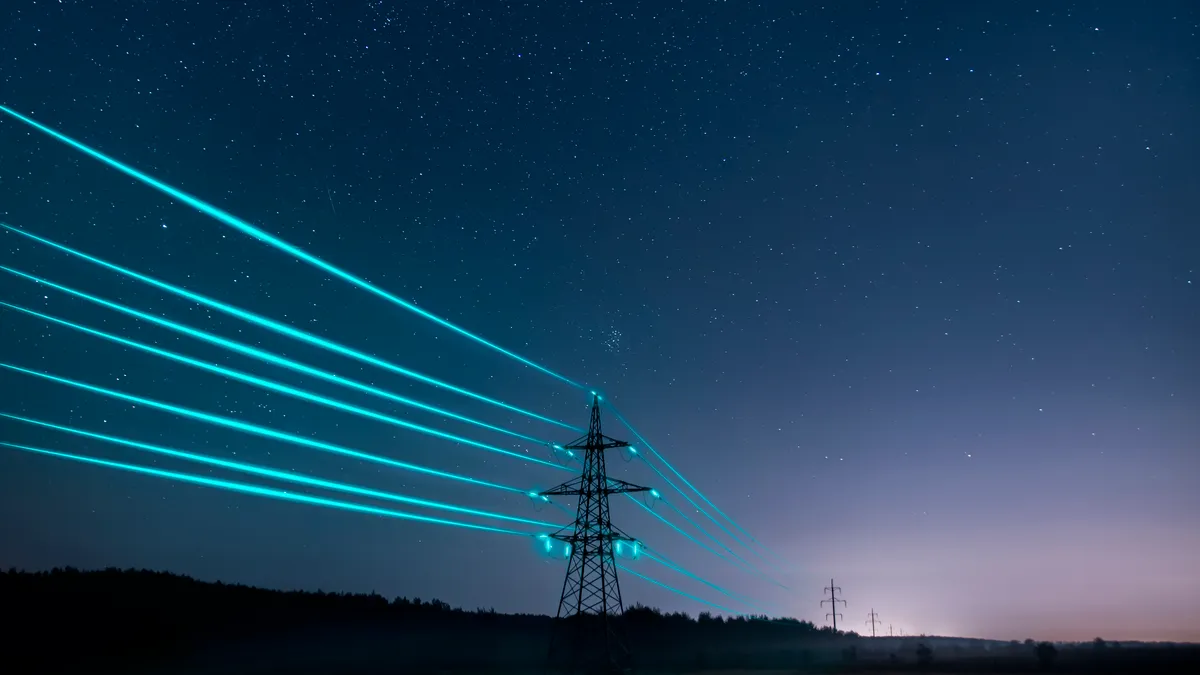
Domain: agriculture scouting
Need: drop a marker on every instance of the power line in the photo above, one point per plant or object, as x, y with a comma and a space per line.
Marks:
284, 389
872, 618
288, 476
284, 329
676, 591
261, 491
591, 593
263, 431
246, 228
269, 357
833, 600
257, 233
223, 371
667, 464
663, 560
246, 488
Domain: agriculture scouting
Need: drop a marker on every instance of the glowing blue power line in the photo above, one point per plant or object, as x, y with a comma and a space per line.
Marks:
268, 357
247, 228
282, 388
262, 431
686, 482
673, 526
285, 329
278, 475
677, 591
685, 496
666, 562
264, 492
736, 560
696, 525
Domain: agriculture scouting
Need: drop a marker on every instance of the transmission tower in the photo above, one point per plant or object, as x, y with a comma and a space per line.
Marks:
833, 600
591, 595
872, 618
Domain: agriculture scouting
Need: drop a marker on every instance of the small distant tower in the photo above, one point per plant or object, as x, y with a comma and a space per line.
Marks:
833, 600
591, 595
872, 618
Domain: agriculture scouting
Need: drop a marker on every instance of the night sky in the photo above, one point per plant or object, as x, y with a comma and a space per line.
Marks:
908, 290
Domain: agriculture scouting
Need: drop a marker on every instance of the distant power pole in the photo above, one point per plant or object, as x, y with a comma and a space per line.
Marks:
833, 600
890, 633
872, 619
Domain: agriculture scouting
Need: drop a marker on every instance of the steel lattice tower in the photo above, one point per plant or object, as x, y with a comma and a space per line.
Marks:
591, 594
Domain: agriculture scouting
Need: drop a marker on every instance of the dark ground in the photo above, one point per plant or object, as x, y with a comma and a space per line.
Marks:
135, 622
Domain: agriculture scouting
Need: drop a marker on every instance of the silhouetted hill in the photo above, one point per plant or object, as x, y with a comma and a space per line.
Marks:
138, 621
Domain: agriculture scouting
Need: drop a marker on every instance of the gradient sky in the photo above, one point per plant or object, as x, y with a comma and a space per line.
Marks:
907, 289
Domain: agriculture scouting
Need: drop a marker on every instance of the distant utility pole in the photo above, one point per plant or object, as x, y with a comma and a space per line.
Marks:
833, 600
872, 619
890, 633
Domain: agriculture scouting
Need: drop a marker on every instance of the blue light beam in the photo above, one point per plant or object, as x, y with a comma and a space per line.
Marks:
643, 441
263, 431
273, 359
663, 560
675, 527
261, 235
279, 475
285, 329
282, 388
264, 491
736, 559
676, 591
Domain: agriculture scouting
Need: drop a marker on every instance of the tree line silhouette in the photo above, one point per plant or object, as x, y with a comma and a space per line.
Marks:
120, 619
140, 621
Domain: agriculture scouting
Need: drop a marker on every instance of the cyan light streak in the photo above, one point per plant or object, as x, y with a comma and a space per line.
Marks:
283, 389
263, 431
737, 559
677, 591
646, 443
666, 562
673, 526
287, 330
281, 495
264, 491
663, 560
279, 475
696, 525
247, 228
682, 493
273, 359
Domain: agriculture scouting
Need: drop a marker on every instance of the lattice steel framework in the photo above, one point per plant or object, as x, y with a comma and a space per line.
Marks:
585, 639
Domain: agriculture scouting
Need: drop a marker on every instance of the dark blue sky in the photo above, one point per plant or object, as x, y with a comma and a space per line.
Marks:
907, 289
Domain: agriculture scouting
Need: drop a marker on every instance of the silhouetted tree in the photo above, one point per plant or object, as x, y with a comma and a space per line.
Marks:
1046, 654
924, 654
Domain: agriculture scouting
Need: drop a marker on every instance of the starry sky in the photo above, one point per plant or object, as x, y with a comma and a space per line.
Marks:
907, 289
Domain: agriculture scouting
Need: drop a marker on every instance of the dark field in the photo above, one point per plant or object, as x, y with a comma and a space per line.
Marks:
135, 622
